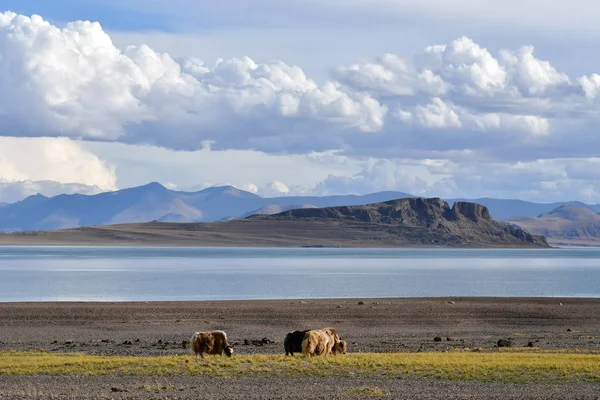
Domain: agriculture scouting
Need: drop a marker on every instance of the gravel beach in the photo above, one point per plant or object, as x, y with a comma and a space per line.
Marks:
368, 325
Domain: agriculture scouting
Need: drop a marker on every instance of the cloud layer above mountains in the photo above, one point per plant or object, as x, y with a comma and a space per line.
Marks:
451, 101
451, 118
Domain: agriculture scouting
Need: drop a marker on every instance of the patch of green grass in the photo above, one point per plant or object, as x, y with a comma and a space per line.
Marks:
365, 392
500, 366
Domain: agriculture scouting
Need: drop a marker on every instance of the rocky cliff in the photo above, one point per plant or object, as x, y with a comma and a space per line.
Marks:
422, 221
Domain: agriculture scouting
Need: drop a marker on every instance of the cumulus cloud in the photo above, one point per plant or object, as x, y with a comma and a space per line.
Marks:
50, 166
53, 159
73, 81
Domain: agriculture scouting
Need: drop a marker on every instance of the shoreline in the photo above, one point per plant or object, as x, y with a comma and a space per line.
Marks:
499, 299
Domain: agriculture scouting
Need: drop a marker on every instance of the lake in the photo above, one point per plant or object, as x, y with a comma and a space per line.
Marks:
158, 273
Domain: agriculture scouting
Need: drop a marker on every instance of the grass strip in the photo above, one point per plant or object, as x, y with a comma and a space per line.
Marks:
513, 367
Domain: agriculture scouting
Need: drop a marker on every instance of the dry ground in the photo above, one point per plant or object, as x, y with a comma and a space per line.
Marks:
378, 325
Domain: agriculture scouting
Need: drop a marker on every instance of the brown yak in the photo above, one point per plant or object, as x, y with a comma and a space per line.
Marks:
214, 342
320, 342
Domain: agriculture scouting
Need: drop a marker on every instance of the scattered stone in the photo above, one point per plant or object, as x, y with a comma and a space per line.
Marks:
137, 340
259, 342
361, 303
437, 339
127, 343
504, 343
159, 341
530, 344
451, 302
69, 342
448, 339
303, 302
338, 306
105, 341
118, 390
54, 342
206, 322
185, 344
569, 330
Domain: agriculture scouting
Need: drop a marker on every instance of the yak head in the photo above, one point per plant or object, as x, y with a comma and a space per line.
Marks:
228, 350
340, 347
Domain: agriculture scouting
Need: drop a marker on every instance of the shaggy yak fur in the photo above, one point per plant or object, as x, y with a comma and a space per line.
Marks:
214, 342
320, 342
293, 342
340, 348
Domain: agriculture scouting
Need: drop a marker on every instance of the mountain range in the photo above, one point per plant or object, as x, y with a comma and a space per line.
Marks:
565, 225
154, 202
406, 222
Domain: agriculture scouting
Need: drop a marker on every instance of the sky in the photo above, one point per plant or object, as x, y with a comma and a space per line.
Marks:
467, 98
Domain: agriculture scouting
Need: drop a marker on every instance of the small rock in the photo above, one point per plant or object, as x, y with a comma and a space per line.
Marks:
451, 302
137, 340
69, 342
54, 342
247, 342
504, 343
361, 303
569, 330
127, 343
437, 339
118, 390
266, 340
185, 344
448, 339
159, 341
530, 344
338, 306
105, 341
303, 302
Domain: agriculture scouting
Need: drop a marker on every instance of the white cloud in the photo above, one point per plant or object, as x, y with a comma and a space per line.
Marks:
59, 160
275, 189
449, 98
77, 83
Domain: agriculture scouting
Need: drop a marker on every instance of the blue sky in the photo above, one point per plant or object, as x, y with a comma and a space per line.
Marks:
459, 99
111, 16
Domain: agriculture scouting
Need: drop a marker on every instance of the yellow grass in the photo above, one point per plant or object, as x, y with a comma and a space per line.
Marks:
505, 366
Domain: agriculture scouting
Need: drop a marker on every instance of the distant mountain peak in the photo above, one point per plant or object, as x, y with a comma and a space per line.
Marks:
573, 213
228, 190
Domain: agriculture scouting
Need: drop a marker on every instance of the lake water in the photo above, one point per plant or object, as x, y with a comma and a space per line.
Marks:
135, 273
